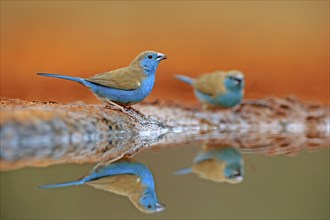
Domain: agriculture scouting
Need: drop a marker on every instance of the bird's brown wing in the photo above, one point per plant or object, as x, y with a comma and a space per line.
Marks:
211, 84
125, 78
210, 169
123, 184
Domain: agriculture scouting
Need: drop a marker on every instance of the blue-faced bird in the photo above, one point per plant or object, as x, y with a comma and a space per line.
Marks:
217, 89
125, 177
219, 164
125, 86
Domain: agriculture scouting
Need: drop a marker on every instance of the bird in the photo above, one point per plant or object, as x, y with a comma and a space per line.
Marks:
126, 177
125, 86
223, 89
218, 164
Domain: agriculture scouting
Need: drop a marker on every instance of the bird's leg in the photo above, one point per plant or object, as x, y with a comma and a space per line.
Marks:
208, 107
105, 162
236, 108
121, 108
205, 107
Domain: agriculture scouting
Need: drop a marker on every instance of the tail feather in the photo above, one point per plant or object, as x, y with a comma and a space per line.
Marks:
76, 79
72, 183
185, 79
183, 171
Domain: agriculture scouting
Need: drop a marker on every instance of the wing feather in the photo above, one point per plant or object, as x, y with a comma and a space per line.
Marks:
211, 84
125, 78
123, 184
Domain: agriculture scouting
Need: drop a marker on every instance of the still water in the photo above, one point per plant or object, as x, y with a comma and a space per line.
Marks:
261, 187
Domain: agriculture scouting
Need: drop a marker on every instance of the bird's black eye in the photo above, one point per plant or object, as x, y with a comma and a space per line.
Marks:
149, 206
150, 57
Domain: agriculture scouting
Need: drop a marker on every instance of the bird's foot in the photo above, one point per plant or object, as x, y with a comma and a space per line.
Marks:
138, 116
135, 112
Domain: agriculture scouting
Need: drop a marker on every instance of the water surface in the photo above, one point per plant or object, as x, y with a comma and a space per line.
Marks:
278, 187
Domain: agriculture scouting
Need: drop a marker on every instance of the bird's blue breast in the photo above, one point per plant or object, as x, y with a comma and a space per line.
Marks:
126, 97
229, 99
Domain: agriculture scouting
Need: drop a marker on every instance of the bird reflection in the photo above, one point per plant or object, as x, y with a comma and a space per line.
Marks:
219, 164
125, 177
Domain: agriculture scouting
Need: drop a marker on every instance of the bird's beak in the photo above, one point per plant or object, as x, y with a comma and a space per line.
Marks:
160, 207
161, 56
236, 180
239, 79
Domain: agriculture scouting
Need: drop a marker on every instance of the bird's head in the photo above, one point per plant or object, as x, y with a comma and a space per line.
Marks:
148, 61
234, 169
234, 80
233, 175
148, 202
219, 164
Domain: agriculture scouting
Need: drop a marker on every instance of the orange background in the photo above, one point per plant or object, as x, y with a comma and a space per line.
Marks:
281, 46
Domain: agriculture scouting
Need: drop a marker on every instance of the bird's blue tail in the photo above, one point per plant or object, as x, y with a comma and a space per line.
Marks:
73, 183
183, 171
76, 79
185, 79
